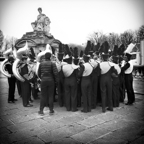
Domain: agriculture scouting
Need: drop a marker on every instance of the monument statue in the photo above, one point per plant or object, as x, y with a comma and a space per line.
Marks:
42, 23
40, 36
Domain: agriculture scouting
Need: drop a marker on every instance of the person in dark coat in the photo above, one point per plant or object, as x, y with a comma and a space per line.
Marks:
127, 70
48, 74
25, 86
11, 80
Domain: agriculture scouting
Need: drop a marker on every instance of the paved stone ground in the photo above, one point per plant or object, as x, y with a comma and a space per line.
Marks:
21, 125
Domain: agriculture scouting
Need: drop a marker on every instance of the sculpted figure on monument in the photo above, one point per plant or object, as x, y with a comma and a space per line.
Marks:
42, 23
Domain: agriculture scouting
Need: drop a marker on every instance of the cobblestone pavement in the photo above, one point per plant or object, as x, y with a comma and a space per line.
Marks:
20, 125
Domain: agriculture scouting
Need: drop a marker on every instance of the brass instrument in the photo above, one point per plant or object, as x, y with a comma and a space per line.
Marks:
4, 72
19, 54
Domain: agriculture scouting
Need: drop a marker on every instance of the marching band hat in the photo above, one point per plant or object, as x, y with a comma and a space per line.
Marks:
76, 61
121, 50
87, 52
129, 50
68, 55
81, 54
61, 52
86, 57
68, 59
128, 55
76, 56
105, 50
115, 59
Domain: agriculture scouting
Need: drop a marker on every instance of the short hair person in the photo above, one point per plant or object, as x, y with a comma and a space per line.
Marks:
49, 76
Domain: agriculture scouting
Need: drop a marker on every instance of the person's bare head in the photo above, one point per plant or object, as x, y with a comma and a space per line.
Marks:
40, 10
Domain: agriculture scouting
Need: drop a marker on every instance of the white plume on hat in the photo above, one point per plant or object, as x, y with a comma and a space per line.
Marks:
67, 56
129, 48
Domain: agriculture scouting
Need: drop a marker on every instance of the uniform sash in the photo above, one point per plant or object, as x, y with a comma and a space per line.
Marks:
116, 66
88, 69
130, 69
67, 70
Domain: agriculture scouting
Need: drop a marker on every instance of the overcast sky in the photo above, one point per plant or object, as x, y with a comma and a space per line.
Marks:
72, 20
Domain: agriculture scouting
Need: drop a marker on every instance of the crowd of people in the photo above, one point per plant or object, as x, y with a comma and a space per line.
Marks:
92, 77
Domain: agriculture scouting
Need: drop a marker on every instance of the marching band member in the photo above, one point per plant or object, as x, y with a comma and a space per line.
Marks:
120, 52
48, 74
76, 60
95, 74
86, 86
59, 63
25, 86
70, 83
105, 79
11, 80
127, 69
115, 78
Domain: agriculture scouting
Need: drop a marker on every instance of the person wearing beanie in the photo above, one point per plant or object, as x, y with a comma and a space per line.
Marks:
70, 83
48, 74
105, 79
127, 70
11, 80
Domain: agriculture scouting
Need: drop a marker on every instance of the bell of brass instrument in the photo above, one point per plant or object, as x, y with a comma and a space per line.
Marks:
4, 72
19, 54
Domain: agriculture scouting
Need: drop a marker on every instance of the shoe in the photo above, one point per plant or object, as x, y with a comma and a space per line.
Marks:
93, 107
103, 110
128, 103
29, 105
84, 111
40, 113
89, 110
51, 112
68, 109
31, 101
11, 101
75, 110
15, 100
110, 109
